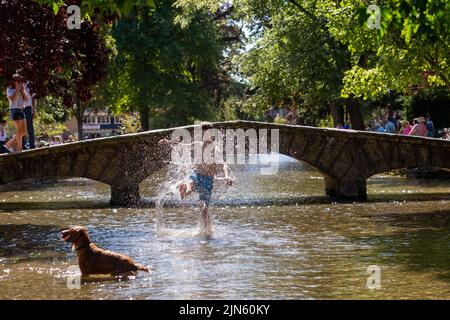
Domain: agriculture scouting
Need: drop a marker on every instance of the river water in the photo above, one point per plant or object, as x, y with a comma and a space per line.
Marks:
263, 247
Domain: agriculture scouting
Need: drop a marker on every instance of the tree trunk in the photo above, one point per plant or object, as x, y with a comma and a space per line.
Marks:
80, 129
79, 117
356, 117
337, 113
145, 123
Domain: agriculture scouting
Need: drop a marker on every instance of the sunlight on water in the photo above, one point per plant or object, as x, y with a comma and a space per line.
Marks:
261, 247
168, 191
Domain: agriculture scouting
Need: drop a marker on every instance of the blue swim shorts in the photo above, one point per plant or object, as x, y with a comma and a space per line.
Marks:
203, 185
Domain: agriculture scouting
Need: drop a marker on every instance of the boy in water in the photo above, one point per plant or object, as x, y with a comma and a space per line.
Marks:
201, 179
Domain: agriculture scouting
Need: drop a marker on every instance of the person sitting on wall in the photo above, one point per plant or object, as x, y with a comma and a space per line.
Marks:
390, 126
406, 127
419, 128
3, 137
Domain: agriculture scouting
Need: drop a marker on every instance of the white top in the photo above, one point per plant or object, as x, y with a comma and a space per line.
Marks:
29, 102
18, 102
2, 134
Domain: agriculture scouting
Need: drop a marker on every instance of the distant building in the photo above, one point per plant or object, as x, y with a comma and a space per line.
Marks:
99, 124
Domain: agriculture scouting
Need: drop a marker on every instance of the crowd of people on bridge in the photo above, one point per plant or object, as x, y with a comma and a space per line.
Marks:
394, 123
420, 126
55, 140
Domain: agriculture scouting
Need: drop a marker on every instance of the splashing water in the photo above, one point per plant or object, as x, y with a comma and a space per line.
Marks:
176, 173
313, 250
169, 195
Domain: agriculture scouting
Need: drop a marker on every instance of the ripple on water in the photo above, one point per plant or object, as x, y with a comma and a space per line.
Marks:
316, 249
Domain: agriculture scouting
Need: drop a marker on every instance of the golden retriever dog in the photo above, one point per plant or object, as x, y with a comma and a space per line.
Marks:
94, 260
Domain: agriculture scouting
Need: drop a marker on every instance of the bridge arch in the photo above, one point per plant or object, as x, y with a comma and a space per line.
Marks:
345, 158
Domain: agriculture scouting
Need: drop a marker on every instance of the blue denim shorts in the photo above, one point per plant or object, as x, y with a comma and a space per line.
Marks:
203, 185
16, 114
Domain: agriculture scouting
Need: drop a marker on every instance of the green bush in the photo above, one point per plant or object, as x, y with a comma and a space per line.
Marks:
435, 101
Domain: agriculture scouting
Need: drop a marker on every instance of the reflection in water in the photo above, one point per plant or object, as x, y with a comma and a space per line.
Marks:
313, 249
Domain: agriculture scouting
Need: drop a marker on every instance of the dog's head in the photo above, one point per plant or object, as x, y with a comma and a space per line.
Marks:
77, 235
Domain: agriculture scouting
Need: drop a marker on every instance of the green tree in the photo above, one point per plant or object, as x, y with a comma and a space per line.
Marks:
325, 52
164, 70
58, 61
106, 8
86, 57
294, 59
33, 44
435, 101
411, 46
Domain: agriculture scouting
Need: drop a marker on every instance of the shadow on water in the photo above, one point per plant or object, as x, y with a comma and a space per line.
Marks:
30, 241
421, 245
436, 196
33, 184
52, 205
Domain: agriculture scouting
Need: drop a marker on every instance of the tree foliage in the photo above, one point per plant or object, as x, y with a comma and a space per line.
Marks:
84, 67
38, 45
58, 61
435, 101
166, 71
182, 60
323, 51
296, 59
32, 43
292, 59
412, 45
108, 9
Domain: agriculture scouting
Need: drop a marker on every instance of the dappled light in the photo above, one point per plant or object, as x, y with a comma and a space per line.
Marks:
224, 150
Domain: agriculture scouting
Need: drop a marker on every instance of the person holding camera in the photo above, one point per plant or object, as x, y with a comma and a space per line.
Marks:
17, 97
30, 112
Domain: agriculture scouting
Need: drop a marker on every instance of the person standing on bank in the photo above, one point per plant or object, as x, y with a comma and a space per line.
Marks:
430, 126
30, 112
17, 97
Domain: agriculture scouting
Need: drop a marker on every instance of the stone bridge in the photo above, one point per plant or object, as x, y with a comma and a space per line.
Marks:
346, 158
